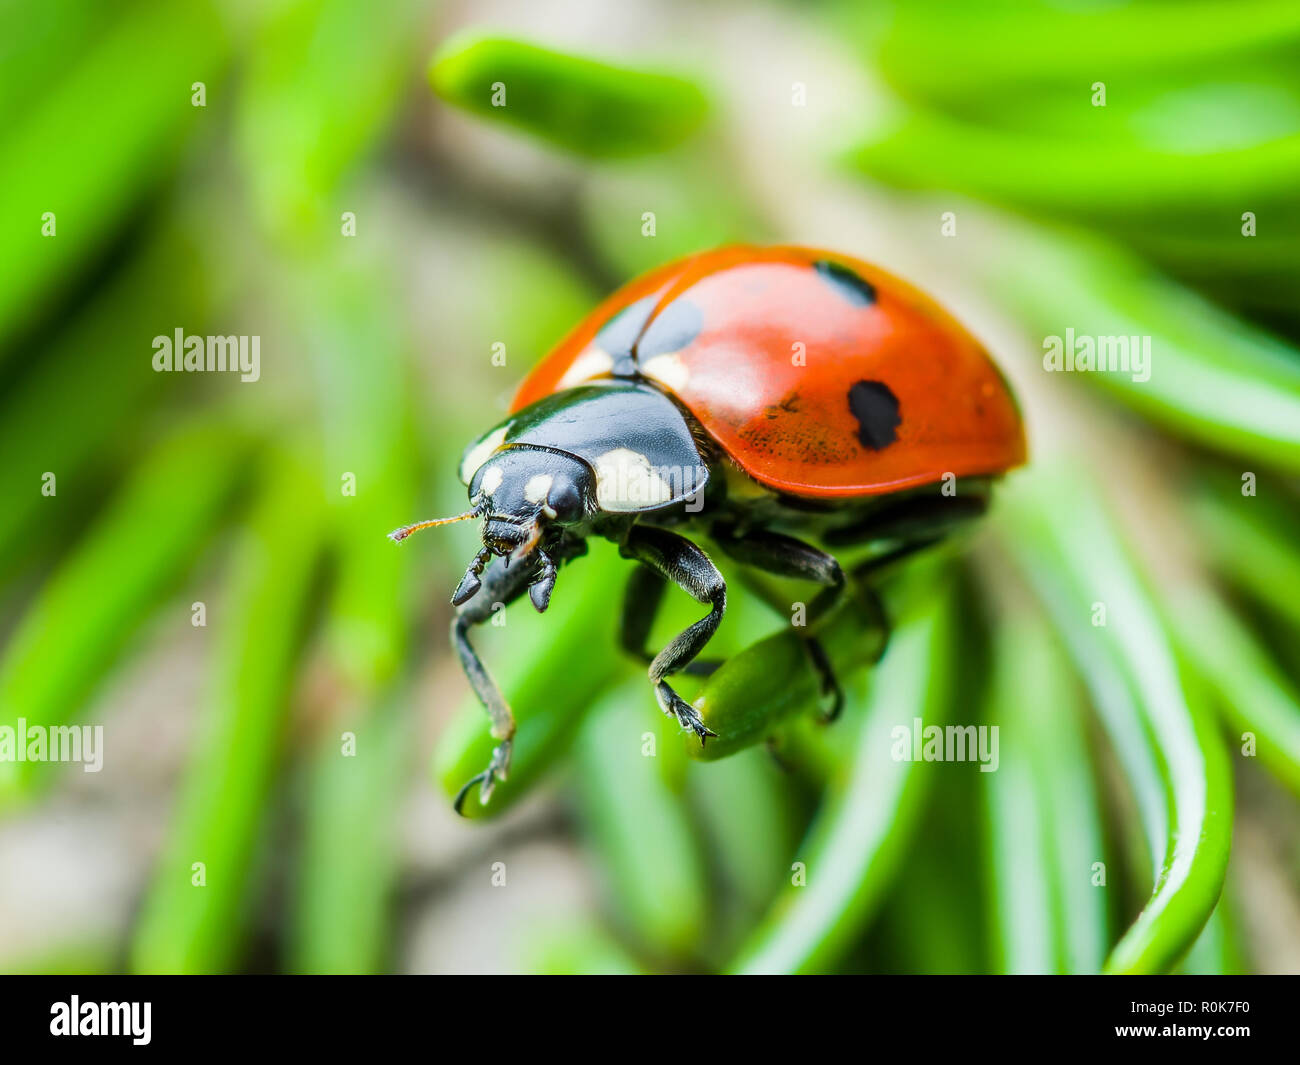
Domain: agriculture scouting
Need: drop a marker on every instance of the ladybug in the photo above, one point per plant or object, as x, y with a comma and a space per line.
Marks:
760, 396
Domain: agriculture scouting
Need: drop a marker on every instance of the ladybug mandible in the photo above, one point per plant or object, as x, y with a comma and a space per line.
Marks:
747, 394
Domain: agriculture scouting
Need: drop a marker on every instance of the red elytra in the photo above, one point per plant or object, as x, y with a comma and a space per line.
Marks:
764, 347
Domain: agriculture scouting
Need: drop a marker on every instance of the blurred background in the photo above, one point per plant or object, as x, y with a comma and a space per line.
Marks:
407, 203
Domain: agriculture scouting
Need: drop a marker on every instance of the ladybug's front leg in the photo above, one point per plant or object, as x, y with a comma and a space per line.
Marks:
501, 584
680, 561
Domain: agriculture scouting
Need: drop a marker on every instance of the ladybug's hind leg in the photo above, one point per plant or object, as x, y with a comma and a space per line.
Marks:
675, 558
918, 519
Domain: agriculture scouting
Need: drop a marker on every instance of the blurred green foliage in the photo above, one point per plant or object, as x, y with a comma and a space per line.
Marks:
1044, 823
1154, 709
785, 845
586, 106
1163, 129
65, 191
217, 834
80, 622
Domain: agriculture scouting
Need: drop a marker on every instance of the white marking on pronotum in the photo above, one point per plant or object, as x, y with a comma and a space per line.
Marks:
591, 363
481, 452
537, 487
669, 370
491, 481
625, 481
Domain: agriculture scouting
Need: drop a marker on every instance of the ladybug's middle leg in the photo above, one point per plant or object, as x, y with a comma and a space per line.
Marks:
784, 556
680, 561
641, 602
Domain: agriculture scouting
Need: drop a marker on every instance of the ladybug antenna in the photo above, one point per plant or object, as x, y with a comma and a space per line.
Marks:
398, 535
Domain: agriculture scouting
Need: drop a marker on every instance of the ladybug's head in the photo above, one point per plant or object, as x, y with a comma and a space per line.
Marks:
523, 492
562, 463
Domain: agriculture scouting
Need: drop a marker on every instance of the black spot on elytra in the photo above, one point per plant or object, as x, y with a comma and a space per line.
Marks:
619, 334
857, 290
672, 329
876, 409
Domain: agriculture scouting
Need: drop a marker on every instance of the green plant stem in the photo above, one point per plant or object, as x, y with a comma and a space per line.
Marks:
1251, 541
1259, 701
854, 845
641, 830
1040, 173
192, 927
321, 84
355, 773
1213, 378
758, 691
73, 410
341, 920
1155, 713
946, 51
80, 623
586, 106
129, 116
1042, 811
751, 811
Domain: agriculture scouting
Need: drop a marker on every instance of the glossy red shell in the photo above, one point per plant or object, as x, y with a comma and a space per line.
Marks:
820, 375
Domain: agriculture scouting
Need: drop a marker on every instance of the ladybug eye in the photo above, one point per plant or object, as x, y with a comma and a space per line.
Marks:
565, 499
